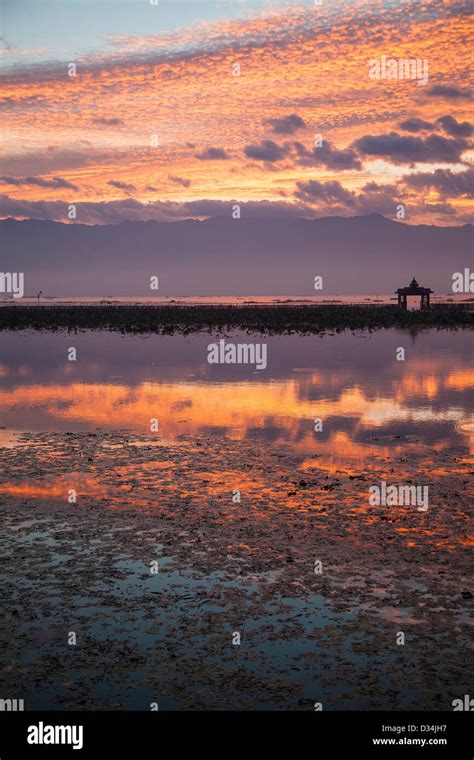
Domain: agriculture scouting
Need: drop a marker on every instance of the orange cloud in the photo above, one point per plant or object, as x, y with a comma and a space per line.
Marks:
152, 103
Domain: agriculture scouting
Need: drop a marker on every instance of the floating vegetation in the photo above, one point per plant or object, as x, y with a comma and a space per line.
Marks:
315, 580
277, 319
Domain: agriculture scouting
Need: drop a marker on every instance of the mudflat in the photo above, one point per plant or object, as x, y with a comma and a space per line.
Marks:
318, 582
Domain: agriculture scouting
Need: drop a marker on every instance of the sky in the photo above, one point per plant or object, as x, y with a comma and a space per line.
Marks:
185, 108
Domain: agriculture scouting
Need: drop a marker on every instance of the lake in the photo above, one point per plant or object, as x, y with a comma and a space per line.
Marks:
205, 530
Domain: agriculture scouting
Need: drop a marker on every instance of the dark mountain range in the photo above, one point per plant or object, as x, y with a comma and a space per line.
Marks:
222, 256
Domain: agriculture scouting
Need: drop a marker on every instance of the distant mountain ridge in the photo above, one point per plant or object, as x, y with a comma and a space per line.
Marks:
222, 256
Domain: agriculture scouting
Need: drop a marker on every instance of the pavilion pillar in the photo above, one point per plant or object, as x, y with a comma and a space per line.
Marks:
402, 301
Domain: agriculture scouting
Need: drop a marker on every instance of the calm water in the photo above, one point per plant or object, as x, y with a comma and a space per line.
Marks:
352, 382
228, 566
413, 302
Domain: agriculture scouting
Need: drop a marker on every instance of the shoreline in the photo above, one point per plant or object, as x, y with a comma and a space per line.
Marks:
273, 319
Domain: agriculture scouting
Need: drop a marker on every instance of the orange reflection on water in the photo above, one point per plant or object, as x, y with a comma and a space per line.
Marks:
460, 379
237, 406
426, 386
55, 487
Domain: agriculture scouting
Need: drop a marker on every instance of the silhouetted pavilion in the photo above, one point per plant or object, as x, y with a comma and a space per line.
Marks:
414, 290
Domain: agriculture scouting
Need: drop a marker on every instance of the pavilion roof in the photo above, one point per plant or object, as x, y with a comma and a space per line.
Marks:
413, 289
418, 291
